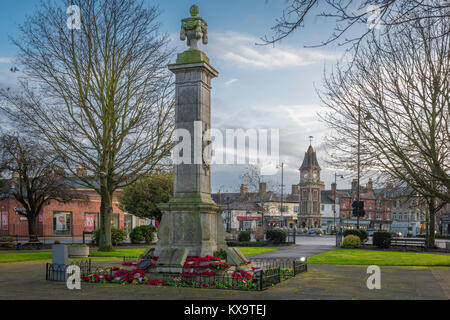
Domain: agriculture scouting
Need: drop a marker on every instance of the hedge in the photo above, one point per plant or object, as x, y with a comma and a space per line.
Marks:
247, 243
276, 236
382, 239
351, 242
361, 233
117, 236
142, 233
244, 236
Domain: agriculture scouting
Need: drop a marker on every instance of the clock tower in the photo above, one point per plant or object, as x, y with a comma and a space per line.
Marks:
310, 188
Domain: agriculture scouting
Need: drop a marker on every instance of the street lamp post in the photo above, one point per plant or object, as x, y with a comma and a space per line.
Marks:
339, 231
367, 118
282, 185
359, 159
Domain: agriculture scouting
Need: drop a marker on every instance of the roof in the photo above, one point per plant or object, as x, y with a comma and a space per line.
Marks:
310, 159
325, 197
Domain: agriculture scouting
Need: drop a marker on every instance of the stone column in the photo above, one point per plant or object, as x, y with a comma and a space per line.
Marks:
191, 223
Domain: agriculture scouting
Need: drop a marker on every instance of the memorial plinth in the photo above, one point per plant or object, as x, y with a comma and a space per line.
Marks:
191, 223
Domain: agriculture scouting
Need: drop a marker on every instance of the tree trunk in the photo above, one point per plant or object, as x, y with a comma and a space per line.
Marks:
105, 242
32, 232
432, 223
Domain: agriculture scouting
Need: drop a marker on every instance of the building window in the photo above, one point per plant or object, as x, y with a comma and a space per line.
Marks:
296, 209
316, 195
305, 195
62, 223
115, 221
4, 221
90, 221
315, 206
284, 209
322, 207
128, 223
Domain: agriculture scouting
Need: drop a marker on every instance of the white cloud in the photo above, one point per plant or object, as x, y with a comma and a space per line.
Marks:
229, 82
6, 60
241, 50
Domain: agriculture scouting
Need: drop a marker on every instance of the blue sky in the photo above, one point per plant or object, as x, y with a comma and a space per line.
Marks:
259, 87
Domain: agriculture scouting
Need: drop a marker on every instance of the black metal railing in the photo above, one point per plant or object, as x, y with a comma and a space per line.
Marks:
58, 272
269, 273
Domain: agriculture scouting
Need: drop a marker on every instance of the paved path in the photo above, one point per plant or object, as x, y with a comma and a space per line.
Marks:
443, 277
27, 281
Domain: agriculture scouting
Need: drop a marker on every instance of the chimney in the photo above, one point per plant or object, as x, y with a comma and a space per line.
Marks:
81, 170
295, 190
355, 185
333, 190
369, 185
243, 189
262, 187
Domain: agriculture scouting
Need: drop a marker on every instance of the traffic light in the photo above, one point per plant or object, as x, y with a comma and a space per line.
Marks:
361, 212
358, 208
355, 208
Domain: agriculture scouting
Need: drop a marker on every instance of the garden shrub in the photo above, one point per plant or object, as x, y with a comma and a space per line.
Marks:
361, 233
117, 236
276, 236
244, 236
247, 243
351, 241
6, 239
142, 233
382, 239
222, 254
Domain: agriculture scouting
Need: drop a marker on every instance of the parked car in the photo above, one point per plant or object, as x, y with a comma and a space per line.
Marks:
315, 231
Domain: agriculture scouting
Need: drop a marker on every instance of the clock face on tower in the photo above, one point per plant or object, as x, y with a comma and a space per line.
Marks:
305, 175
315, 175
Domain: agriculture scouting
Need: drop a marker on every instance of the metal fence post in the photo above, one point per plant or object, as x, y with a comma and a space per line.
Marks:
279, 274
261, 280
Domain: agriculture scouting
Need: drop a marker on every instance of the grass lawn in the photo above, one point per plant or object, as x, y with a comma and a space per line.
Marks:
102, 256
249, 251
381, 258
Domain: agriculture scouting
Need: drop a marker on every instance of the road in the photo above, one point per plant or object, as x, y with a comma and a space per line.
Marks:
305, 247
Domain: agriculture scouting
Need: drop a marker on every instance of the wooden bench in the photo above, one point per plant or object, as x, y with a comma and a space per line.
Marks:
408, 242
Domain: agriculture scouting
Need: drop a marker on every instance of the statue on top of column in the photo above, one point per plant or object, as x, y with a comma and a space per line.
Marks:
194, 29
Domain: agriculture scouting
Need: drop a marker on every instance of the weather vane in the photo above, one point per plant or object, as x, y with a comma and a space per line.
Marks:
310, 139
194, 29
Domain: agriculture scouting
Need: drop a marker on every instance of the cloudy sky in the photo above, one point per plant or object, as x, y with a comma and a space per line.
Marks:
259, 87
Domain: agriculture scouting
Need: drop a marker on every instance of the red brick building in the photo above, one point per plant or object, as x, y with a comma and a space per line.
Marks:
58, 219
377, 205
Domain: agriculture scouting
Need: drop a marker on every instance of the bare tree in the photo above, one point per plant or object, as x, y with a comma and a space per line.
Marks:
99, 95
349, 15
35, 177
398, 92
252, 178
